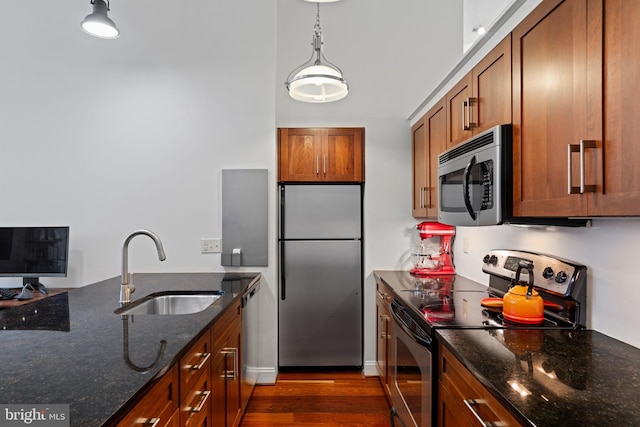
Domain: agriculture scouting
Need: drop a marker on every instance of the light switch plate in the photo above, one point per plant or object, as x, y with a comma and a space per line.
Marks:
210, 245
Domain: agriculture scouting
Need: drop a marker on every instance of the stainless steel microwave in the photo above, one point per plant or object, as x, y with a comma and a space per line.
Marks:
475, 183
473, 179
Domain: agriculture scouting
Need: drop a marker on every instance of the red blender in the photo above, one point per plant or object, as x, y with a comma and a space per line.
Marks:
433, 256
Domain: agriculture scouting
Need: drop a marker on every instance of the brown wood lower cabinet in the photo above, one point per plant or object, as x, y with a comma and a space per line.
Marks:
159, 407
226, 336
463, 400
203, 390
383, 332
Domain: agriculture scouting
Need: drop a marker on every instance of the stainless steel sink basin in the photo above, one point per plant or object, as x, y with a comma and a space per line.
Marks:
171, 303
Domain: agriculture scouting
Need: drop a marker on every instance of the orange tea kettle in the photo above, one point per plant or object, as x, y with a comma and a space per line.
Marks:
522, 304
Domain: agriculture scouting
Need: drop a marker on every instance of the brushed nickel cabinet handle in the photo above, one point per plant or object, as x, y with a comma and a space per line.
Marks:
317, 165
472, 404
470, 103
324, 164
234, 373
150, 422
464, 115
383, 319
204, 356
205, 394
579, 148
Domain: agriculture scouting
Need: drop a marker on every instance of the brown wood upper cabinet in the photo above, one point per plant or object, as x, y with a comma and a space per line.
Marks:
482, 99
428, 141
575, 115
321, 154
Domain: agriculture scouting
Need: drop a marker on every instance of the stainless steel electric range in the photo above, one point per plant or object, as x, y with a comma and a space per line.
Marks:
423, 305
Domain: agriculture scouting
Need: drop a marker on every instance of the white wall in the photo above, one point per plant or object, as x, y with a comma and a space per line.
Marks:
108, 136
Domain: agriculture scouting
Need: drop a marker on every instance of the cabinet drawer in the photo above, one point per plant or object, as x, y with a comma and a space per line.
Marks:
468, 395
158, 405
195, 409
194, 364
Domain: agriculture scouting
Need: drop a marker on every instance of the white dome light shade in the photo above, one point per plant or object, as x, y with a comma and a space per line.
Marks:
318, 83
98, 23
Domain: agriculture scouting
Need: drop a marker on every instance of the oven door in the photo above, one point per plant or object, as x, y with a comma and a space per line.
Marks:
411, 371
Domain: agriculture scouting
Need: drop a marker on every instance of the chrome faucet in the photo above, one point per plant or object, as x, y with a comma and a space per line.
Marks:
127, 287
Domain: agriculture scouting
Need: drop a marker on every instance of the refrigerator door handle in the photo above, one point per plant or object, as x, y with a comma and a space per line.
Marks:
282, 280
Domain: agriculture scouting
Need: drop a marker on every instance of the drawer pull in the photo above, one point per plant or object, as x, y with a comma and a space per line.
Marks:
151, 422
472, 404
204, 356
205, 394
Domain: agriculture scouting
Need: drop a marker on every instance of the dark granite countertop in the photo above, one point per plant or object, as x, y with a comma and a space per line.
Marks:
70, 348
575, 378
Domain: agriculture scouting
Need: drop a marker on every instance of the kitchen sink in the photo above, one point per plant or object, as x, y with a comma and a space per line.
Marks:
172, 303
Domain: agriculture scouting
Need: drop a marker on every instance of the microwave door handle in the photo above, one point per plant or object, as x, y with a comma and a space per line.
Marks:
465, 187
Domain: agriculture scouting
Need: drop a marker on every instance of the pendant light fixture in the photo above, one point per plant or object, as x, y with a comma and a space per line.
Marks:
317, 80
98, 23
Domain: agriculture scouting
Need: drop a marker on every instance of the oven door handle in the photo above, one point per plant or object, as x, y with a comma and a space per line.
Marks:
465, 187
423, 341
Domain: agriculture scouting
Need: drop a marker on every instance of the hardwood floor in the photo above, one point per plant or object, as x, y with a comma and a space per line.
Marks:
319, 399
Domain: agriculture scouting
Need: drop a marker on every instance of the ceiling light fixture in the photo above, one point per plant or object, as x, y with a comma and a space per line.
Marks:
98, 23
480, 30
317, 80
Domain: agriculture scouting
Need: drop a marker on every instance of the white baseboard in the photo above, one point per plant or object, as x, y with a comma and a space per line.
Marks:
370, 369
267, 376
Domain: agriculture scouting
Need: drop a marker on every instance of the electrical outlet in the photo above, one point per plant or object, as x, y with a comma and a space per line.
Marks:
210, 245
465, 245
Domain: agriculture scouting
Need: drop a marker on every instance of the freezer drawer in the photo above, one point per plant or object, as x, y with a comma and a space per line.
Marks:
320, 306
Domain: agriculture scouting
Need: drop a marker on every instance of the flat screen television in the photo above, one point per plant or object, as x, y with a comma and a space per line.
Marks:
34, 252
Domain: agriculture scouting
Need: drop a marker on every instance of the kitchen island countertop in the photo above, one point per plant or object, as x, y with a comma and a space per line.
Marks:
70, 348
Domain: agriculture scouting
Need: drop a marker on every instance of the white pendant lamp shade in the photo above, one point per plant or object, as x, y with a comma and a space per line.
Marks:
98, 23
317, 80
318, 83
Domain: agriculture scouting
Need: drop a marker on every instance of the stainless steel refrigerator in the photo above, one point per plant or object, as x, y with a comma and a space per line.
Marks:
320, 272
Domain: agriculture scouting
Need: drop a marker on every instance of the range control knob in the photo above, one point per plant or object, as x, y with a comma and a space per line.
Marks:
561, 277
490, 259
548, 273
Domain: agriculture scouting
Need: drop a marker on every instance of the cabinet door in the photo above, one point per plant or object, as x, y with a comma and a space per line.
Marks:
459, 107
300, 153
620, 150
420, 154
342, 157
233, 360
383, 332
437, 137
553, 80
492, 88
429, 139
